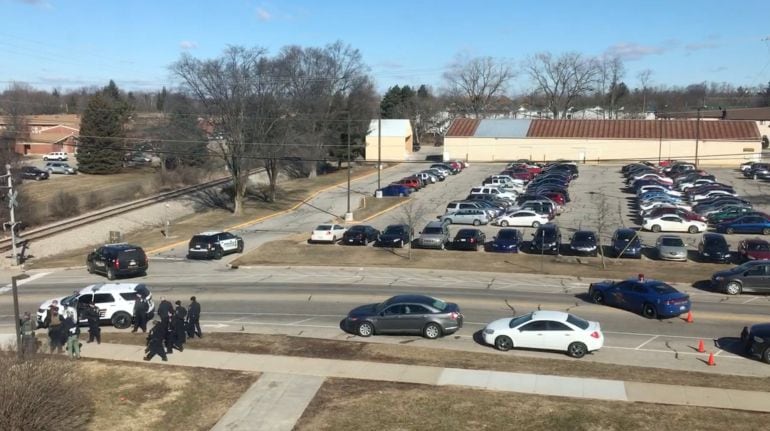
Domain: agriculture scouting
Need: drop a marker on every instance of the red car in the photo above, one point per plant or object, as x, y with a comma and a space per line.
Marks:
412, 183
754, 249
518, 174
534, 169
556, 197
457, 165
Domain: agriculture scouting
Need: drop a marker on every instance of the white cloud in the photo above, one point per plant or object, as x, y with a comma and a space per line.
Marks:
187, 44
634, 51
263, 14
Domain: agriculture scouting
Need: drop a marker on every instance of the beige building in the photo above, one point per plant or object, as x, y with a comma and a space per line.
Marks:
394, 143
713, 142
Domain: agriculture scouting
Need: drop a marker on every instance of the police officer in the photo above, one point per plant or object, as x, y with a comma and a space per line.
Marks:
70, 327
165, 312
28, 340
94, 331
141, 307
193, 318
53, 322
155, 342
180, 317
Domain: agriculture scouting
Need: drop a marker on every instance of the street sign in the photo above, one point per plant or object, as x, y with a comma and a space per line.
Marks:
12, 199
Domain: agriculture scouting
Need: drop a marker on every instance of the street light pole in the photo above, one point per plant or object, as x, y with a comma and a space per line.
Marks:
16, 317
697, 137
660, 136
379, 147
348, 214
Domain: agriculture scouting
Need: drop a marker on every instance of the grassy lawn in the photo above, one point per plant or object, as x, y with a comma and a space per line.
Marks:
140, 397
294, 252
343, 404
291, 193
370, 206
398, 354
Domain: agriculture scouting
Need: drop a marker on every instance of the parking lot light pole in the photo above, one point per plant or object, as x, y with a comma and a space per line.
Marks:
16, 317
348, 214
697, 136
379, 147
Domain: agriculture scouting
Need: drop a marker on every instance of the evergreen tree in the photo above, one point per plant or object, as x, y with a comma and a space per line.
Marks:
160, 102
101, 130
391, 102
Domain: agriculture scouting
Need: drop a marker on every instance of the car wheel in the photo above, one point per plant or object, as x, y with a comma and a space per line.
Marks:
503, 343
431, 331
218, 254
448, 221
365, 329
110, 274
476, 222
89, 268
535, 224
504, 223
121, 320
733, 288
649, 312
730, 231
694, 229
766, 356
655, 228
598, 297
240, 248
577, 350
442, 246
766, 231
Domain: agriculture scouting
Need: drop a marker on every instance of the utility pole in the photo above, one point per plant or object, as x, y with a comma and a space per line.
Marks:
697, 137
348, 214
12, 205
379, 146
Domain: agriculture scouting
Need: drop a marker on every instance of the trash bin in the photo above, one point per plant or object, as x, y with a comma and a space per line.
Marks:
378, 194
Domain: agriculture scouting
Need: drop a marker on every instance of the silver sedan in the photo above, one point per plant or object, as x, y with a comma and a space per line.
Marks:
671, 247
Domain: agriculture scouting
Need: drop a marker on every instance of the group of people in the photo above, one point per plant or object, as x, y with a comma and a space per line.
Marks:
63, 329
176, 324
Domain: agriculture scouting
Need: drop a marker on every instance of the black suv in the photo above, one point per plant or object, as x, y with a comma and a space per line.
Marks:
756, 341
547, 239
208, 245
395, 235
115, 260
33, 173
713, 247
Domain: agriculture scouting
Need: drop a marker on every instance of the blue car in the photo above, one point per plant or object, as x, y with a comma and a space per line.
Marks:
506, 241
650, 298
395, 190
746, 224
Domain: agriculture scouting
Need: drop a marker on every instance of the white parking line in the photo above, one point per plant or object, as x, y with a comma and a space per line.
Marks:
749, 300
301, 321
668, 351
643, 344
8, 287
657, 335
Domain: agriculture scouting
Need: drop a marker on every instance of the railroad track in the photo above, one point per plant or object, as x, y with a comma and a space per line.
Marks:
94, 216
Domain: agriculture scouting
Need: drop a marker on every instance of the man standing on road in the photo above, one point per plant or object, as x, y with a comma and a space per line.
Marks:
193, 319
53, 322
28, 340
165, 312
155, 342
94, 331
141, 307
70, 326
180, 317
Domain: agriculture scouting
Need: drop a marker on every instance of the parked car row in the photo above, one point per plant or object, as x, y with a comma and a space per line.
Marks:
410, 184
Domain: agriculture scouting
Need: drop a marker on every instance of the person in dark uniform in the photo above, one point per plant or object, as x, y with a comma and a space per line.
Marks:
165, 312
53, 322
94, 331
193, 319
180, 317
141, 307
155, 342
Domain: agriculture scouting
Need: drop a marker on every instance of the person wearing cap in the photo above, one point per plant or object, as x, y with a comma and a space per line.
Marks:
180, 316
28, 340
155, 342
53, 322
94, 331
193, 318
141, 307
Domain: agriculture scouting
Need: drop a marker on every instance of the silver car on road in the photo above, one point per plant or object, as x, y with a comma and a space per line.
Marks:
671, 247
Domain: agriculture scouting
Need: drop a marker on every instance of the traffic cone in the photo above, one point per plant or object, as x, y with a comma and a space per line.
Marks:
689, 317
701, 347
711, 362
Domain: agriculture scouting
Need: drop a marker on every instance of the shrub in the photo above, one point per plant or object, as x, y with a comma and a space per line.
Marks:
63, 205
42, 393
94, 201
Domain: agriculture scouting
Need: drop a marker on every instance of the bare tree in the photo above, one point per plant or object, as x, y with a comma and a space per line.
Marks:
476, 82
562, 79
644, 77
613, 68
229, 88
603, 210
411, 215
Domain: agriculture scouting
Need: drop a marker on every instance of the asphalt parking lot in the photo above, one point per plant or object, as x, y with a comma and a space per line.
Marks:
599, 189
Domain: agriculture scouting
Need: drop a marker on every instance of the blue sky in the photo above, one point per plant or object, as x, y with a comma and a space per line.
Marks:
74, 43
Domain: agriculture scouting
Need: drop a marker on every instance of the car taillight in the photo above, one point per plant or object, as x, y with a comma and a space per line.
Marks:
117, 264
473, 240
454, 315
595, 334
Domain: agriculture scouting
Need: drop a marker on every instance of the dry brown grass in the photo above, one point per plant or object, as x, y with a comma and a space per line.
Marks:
398, 354
370, 206
355, 404
291, 252
140, 397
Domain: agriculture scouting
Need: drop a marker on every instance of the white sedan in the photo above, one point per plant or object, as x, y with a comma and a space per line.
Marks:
521, 218
710, 194
327, 233
673, 223
547, 330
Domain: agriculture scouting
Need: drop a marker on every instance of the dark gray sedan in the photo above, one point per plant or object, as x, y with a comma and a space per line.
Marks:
405, 314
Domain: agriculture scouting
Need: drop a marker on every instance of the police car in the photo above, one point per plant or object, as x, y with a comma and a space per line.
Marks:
114, 300
208, 245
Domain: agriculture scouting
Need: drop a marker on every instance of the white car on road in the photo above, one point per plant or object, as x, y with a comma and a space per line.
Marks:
673, 223
547, 330
327, 233
522, 218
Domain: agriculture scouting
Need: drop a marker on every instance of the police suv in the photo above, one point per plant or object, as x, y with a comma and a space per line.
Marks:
114, 300
208, 245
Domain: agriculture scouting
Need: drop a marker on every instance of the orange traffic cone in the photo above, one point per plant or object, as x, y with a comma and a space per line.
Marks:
689, 317
711, 362
701, 347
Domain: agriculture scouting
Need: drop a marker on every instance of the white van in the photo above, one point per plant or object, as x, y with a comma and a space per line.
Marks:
57, 156
495, 191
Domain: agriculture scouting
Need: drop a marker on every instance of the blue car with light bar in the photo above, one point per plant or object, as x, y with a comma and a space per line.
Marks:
650, 298
506, 241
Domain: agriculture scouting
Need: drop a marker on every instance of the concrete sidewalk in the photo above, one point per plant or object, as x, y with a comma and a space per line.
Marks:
587, 388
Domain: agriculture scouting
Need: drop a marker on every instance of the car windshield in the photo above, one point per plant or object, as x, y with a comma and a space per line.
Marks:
715, 242
508, 234
661, 288
672, 242
324, 227
69, 300
394, 229
758, 246
545, 235
626, 235
439, 304
516, 321
466, 233
584, 236
432, 231
355, 229
580, 323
